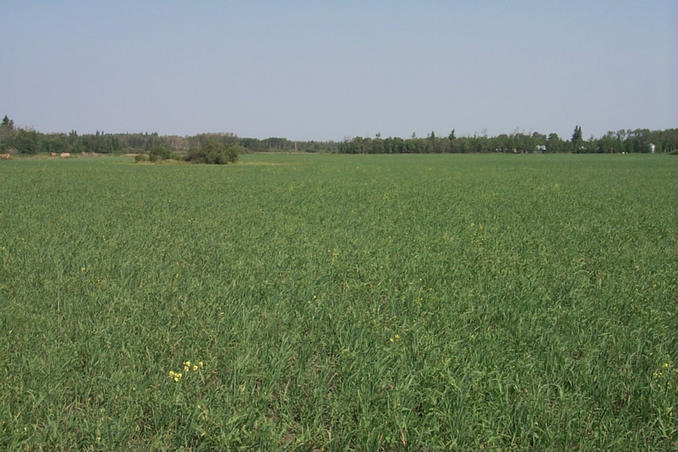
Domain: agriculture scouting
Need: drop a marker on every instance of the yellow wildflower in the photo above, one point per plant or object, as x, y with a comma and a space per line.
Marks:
195, 368
200, 364
174, 375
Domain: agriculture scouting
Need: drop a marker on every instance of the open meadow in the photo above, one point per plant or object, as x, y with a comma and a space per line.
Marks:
336, 302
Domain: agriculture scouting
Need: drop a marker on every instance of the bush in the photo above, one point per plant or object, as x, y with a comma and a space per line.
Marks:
158, 152
140, 158
213, 152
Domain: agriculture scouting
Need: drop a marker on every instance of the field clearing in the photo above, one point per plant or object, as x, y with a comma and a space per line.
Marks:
340, 301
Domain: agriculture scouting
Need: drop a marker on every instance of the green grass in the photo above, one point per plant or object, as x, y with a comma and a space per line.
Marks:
340, 302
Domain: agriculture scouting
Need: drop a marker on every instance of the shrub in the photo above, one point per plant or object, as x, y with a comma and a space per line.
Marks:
213, 152
158, 152
140, 158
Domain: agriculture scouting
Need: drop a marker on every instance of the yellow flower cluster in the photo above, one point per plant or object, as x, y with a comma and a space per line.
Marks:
194, 367
176, 376
395, 338
665, 370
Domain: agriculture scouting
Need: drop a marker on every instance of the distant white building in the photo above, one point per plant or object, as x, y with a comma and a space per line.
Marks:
652, 147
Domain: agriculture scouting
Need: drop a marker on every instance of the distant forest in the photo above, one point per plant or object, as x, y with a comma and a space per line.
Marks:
638, 140
26, 141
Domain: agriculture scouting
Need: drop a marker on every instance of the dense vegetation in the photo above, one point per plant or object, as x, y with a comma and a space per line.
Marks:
25, 141
213, 151
425, 302
621, 141
209, 150
639, 140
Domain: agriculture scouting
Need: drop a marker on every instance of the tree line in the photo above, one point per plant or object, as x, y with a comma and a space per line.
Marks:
638, 140
26, 141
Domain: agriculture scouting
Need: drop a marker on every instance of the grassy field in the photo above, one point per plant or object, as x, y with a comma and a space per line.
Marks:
340, 302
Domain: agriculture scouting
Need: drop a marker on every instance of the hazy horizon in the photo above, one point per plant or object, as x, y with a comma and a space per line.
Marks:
308, 71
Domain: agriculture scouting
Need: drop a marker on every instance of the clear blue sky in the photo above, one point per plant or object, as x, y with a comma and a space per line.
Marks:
328, 70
